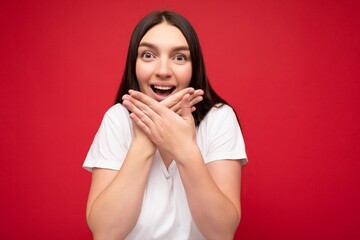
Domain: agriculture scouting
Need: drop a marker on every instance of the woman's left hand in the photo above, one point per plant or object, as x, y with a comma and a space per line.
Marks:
164, 127
173, 101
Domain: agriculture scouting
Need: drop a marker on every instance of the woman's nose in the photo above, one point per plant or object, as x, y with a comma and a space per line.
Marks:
163, 69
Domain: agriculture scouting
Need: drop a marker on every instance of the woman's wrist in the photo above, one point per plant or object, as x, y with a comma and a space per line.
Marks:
143, 148
186, 151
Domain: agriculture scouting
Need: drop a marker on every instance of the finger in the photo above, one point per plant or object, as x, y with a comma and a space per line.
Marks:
193, 109
173, 99
140, 124
150, 111
196, 93
128, 102
195, 98
186, 107
141, 106
138, 113
176, 107
145, 103
125, 97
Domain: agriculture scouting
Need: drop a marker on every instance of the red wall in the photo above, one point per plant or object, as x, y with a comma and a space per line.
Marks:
291, 70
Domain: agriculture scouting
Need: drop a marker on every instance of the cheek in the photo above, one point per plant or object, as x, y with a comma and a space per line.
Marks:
183, 75
186, 76
142, 74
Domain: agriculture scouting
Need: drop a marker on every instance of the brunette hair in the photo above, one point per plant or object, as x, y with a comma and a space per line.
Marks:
199, 79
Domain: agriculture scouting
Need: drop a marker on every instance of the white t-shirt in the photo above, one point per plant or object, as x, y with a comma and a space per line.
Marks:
165, 213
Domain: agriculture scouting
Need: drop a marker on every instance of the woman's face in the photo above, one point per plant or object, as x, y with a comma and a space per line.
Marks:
163, 64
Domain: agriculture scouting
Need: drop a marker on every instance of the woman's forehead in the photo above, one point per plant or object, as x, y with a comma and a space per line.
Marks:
164, 35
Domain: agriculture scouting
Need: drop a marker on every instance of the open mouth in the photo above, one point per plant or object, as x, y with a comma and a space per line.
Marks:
162, 90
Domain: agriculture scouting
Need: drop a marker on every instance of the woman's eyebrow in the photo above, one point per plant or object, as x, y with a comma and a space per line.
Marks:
181, 48
152, 46
145, 44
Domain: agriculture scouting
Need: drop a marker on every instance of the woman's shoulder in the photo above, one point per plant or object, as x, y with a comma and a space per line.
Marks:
117, 110
218, 114
220, 110
117, 115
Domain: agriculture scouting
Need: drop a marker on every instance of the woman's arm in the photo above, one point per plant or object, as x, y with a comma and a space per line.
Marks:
115, 197
213, 193
213, 190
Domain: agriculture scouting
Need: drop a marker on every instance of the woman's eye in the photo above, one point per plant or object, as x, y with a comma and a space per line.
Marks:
146, 55
180, 58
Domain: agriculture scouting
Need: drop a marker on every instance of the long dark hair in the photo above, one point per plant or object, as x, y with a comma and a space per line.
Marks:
199, 79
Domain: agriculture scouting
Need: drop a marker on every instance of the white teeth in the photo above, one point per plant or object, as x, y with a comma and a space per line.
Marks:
162, 88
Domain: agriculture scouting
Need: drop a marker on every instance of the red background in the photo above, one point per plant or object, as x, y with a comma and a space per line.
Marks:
290, 69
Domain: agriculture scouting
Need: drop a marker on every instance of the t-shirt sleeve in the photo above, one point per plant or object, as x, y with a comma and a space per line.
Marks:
225, 139
111, 142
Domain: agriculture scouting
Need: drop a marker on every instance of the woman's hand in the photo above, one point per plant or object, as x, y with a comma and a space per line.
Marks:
173, 102
139, 137
164, 127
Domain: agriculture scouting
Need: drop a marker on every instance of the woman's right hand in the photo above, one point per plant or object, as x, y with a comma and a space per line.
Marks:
140, 138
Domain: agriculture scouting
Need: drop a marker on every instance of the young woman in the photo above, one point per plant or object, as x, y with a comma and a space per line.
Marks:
166, 160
